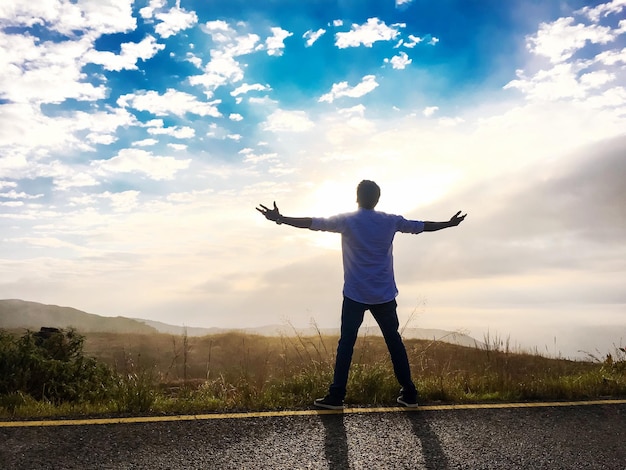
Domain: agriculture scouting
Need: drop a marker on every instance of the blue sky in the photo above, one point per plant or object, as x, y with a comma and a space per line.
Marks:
136, 138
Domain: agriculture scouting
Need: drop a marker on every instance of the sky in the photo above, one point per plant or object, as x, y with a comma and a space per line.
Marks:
137, 138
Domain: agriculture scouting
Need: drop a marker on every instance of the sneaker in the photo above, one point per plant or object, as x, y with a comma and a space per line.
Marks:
408, 402
328, 402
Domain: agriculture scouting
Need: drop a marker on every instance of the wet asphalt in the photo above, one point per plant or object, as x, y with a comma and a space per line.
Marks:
576, 437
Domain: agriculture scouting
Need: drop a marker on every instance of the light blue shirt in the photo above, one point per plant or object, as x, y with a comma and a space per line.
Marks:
367, 248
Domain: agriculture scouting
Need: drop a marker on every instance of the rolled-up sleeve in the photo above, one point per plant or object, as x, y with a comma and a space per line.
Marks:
328, 224
409, 226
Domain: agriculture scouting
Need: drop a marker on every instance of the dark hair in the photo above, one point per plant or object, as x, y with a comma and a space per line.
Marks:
367, 194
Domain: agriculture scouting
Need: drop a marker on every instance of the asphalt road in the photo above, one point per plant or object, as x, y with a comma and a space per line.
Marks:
543, 437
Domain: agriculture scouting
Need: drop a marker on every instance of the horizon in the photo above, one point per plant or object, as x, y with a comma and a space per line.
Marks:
137, 138
583, 348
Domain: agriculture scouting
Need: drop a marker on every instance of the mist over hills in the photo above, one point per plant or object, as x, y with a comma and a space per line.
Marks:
287, 330
16, 314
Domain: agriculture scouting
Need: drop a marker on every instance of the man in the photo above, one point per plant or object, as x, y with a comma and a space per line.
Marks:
369, 283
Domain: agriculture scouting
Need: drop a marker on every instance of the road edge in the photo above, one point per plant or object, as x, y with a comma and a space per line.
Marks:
312, 412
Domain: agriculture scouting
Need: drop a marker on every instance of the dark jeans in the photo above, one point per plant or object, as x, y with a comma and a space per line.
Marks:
352, 313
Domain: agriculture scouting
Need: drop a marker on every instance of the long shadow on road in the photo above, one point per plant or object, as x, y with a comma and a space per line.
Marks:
434, 456
335, 441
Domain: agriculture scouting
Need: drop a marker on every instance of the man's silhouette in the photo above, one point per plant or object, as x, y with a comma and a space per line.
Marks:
369, 283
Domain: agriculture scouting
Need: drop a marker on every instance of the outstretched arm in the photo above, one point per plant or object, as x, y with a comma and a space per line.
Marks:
275, 216
453, 222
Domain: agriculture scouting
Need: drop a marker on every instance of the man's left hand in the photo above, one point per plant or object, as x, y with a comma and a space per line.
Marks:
456, 219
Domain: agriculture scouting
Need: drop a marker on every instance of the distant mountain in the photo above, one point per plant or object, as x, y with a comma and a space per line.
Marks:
32, 315
283, 330
180, 330
16, 314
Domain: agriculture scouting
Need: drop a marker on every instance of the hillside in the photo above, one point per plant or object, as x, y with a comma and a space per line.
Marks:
16, 314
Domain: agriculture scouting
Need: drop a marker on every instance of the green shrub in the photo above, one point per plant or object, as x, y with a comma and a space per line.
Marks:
51, 367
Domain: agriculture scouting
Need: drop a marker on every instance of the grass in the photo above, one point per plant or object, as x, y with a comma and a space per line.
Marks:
163, 374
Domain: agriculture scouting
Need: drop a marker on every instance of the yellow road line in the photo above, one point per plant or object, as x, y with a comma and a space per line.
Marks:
273, 414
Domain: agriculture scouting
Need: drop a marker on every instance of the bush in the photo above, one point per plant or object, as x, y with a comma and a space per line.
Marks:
50, 365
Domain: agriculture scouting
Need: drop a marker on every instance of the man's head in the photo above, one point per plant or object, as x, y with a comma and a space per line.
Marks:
367, 194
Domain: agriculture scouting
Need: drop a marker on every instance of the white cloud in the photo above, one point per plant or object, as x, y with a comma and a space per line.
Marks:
559, 82
281, 170
337, 23
612, 57
28, 137
561, 39
413, 41
596, 78
47, 242
124, 201
219, 30
312, 36
450, 122
156, 127
148, 11
235, 117
602, 10
130, 53
45, 72
216, 132
224, 68
244, 44
400, 61
430, 110
67, 17
573, 76
174, 21
194, 59
22, 195
189, 196
101, 139
358, 110
367, 34
288, 121
142, 162
8, 184
171, 102
177, 147
228, 40
145, 143
258, 158
264, 100
400, 3
344, 127
66, 177
245, 88
368, 84
613, 98
275, 43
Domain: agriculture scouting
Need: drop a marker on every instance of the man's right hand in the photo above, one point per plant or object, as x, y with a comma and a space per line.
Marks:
270, 214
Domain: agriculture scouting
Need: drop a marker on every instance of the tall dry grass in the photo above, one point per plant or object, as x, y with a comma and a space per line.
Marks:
241, 370
234, 371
